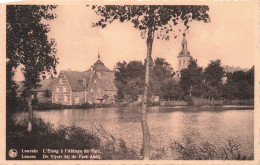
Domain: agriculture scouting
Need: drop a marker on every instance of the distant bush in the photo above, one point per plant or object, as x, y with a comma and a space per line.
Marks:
239, 102
50, 106
202, 101
173, 103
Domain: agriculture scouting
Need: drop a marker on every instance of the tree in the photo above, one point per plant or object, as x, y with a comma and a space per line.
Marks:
191, 79
213, 74
47, 94
171, 90
152, 21
161, 73
239, 85
11, 95
129, 76
28, 46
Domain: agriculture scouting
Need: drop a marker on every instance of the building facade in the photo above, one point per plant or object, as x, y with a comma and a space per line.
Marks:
184, 57
95, 85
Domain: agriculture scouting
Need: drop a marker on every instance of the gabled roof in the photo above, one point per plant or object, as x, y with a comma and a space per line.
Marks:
45, 85
73, 78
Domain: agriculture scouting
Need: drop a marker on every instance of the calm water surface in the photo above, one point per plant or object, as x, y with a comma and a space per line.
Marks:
214, 124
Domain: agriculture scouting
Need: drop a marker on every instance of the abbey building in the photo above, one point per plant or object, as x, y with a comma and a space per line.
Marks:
95, 85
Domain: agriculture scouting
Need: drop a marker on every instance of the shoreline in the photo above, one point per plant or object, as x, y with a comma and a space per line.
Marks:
51, 106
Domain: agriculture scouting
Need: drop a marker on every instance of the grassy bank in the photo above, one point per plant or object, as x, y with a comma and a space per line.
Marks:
45, 135
202, 101
50, 106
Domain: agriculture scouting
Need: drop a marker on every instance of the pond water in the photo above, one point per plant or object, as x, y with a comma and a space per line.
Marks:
205, 123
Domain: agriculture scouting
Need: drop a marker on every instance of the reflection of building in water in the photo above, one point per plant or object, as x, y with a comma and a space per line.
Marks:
95, 85
184, 57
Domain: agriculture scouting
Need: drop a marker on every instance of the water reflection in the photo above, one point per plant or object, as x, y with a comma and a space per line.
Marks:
214, 124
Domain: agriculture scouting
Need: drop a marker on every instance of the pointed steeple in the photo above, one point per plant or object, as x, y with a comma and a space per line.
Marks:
98, 54
184, 43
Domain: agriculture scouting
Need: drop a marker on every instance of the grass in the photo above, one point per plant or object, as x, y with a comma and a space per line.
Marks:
45, 136
207, 151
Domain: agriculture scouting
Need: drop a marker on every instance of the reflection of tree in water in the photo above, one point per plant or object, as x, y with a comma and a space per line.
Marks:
128, 115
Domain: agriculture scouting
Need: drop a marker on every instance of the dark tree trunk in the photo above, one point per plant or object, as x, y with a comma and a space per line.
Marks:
30, 111
145, 128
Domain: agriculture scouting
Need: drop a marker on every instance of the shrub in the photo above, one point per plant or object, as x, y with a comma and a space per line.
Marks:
206, 151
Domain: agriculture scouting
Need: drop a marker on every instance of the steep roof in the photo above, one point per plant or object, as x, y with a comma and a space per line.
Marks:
73, 77
99, 66
108, 85
45, 85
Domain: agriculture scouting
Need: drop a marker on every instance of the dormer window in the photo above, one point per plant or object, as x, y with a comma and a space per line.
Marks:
60, 81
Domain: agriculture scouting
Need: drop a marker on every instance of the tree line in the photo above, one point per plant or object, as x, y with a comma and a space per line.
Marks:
211, 83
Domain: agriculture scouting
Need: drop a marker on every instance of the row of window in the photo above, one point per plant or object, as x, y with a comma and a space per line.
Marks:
65, 99
184, 62
64, 89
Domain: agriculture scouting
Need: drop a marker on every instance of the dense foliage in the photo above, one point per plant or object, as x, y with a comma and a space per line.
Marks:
129, 80
211, 83
28, 45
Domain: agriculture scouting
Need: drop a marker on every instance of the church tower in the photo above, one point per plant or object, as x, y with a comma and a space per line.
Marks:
184, 56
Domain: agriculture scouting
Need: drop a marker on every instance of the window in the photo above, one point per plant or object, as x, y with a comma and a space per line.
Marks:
91, 90
180, 62
99, 90
60, 81
64, 89
76, 100
95, 81
65, 98
56, 98
57, 89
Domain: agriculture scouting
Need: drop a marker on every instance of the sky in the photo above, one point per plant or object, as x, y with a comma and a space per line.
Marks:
230, 37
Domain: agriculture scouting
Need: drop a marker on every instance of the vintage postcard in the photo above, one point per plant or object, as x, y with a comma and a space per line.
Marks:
165, 82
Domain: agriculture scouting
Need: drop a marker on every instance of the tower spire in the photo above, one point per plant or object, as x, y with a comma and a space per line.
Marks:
184, 43
98, 54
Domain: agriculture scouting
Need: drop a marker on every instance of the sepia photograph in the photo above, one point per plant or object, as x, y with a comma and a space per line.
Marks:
113, 81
